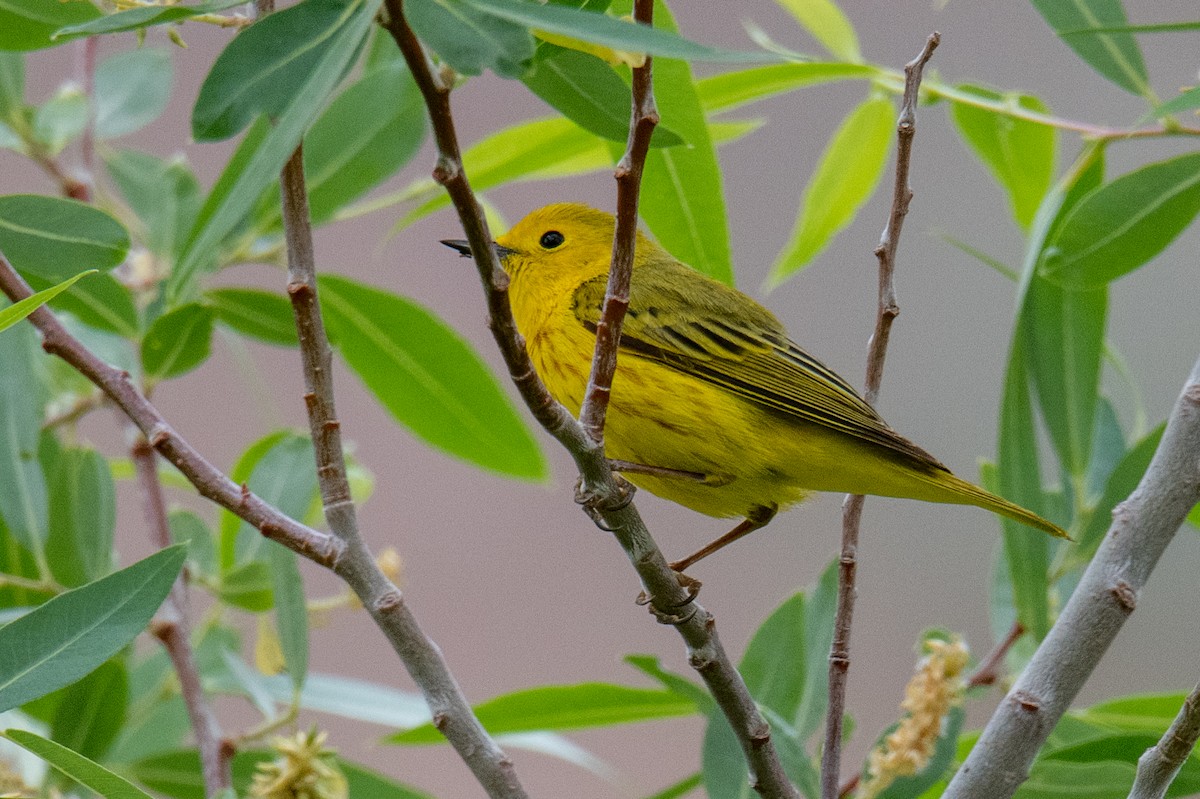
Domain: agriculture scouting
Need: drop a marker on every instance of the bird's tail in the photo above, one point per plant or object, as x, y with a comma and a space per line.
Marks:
970, 494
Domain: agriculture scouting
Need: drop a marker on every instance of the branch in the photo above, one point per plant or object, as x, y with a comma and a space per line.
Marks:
1107, 594
989, 670
171, 627
605, 497
839, 653
1160, 763
421, 657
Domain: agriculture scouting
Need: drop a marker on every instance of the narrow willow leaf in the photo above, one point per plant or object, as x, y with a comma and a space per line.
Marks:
1116, 56
100, 301
261, 315
178, 341
828, 25
12, 85
132, 90
728, 90
291, 614
845, 179
1187, 101
588, 92
262, 70
31, 24
229, 547
1121, 483
188, 528
775, 666
82, 520
92, 711
428, 377
61, 119
70, 635
248, 587
470, 39
818, 638
682, 200
164, 194
1065, 344
138, 18
282, 470
651, 667
266, 148
679, 789
22, 484
1018, 152
56, 238
1138, 712
564, 707
22, 308
77, 767
1124, 224
600, 28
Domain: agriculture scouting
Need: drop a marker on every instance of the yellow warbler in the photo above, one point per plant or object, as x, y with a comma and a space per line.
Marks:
712, 405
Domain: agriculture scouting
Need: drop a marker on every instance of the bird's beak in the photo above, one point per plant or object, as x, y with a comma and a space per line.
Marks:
464, 248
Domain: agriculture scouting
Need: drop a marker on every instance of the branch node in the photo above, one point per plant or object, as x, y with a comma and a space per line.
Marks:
1026, 701
298, 289
159, 434
1126, 596
389, 602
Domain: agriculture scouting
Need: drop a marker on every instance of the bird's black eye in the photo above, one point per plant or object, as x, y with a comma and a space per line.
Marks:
552, 239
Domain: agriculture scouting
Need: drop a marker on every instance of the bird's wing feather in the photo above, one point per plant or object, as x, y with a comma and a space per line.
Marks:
721, 336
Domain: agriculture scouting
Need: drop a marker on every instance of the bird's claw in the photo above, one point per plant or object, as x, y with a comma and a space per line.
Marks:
691, 588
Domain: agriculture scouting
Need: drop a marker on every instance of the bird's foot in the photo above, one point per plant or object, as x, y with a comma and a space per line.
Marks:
597, 503
665, 614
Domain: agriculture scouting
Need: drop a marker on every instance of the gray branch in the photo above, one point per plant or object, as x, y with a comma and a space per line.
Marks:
1159, 764
1143, 525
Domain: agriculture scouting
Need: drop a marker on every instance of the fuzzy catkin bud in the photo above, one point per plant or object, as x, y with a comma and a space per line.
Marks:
304, 770
936, 687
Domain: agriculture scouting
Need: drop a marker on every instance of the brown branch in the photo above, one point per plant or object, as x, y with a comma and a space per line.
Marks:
172, 628
989, 670
607, 498
839, 654
450, 709
643, 119
207, 479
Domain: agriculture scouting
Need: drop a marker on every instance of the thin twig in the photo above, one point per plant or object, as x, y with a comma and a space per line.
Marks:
989, 670
607, 498
839, 654
81, 407
450, 709
643, 119
207, 479
1159, 764
172, 628
1143, 525
86, 50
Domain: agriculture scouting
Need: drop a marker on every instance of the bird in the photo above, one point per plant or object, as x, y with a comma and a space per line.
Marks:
713, 405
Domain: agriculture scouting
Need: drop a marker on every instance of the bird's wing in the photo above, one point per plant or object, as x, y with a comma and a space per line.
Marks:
707, 330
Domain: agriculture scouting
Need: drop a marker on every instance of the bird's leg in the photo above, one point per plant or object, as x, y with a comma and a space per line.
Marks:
759, 517
629, 467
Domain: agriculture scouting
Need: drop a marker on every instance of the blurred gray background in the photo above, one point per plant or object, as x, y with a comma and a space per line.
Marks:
519, 588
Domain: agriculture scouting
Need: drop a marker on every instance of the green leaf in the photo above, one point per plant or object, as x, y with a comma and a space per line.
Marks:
588, 92
83, 517
262, 70
679, 789
77, 767
92, 711
1019, 153
248, 586
101, 302
30, 24
469, 39
230, 548
188, 528
261, 315
1064, 342
368, 132
818, 640
178, 341
1161, 27
132, 89
164, 194
1114, 55
266, 148
22, 483
1121, 483
682, 201
19, 310
1138, 712
600, 28
728, 90
828, 25
281, 469
1125, 223
141, 17
845, 178
291, 613
1187, 101
428, 377
56, 238
650, 666
61, 119
564, 707
775, 664
70, 635
12, 85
